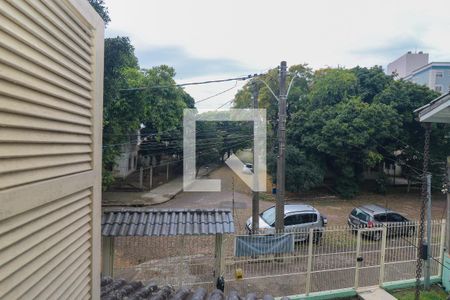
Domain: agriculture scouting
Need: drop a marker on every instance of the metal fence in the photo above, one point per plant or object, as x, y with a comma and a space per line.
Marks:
340, 258
153, 176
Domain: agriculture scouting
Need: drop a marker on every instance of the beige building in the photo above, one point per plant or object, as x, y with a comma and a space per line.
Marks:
51, 89
407, 63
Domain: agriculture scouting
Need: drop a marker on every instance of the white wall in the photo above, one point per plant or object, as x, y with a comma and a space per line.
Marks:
407, 63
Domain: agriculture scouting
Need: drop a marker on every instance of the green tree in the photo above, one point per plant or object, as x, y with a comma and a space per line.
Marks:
101, 9
162, 110
330, 86
304, 171
405, 97
267, 86
371, 82
344, 121
122, 111
345, 134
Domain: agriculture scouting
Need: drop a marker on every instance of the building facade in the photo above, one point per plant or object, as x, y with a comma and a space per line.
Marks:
407, 63
127, 162
415, 67
435, 75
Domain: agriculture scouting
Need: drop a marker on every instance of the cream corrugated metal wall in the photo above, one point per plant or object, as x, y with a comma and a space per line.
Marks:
51, 88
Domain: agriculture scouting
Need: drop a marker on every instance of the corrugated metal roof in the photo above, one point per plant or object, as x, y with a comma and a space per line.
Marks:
166, 222
121, 289
433, 103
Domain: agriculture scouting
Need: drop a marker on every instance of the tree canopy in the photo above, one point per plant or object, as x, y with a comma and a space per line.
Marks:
342, 122
101, 9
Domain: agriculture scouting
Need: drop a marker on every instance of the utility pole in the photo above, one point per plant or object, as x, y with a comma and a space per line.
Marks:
427, 271
422, 248
281, 163
255, 199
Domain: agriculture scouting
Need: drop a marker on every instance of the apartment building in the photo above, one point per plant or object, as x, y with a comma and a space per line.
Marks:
415, 67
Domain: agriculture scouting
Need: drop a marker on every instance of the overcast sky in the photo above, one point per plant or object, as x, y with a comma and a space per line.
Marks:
206, 39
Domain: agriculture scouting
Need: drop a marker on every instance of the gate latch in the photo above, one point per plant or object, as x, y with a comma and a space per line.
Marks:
359, 259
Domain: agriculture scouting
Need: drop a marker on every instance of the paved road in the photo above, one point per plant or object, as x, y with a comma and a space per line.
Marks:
336, 210
224, 199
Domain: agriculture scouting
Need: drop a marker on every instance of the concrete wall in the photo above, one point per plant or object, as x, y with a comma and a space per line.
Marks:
127, 161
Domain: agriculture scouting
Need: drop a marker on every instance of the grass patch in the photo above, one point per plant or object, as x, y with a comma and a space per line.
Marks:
435, 293
266, 197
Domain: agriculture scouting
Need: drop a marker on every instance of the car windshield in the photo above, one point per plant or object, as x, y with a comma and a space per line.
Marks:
269, 216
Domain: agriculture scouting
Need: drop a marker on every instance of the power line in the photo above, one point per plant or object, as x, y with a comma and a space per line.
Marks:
229, 101
198, 155
219, 93
177, 139
242, 78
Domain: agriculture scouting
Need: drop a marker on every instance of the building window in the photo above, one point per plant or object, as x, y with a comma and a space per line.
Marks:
438, 88
439, 75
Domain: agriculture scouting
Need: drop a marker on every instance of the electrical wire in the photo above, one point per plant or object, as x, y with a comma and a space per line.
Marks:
198, 155
229, 101
219, 93
270, 89
177, 139
242, 78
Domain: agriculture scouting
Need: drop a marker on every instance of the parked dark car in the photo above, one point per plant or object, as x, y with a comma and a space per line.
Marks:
374, 215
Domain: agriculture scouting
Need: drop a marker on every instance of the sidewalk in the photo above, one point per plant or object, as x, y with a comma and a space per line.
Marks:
374, 293
161, 194
164, 192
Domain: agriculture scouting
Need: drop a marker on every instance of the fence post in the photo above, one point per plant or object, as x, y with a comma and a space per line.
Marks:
108, 256
219, 268
358, 262
383, 255
167, 172
441, 246
151, 177
309, 267
141, 178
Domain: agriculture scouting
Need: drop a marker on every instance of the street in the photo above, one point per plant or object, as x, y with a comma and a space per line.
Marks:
335, 209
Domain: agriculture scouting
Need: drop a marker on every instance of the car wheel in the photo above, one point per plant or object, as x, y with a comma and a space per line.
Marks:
376, 236
317, 237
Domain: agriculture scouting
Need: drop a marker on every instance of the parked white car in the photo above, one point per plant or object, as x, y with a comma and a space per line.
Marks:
298, 219
247, 169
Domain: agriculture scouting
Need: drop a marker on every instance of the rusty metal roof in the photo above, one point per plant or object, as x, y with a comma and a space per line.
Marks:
121, 289
166, 222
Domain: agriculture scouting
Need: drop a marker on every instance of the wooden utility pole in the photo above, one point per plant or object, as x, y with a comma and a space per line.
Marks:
255, 200
281, 163
427, 270
421, 246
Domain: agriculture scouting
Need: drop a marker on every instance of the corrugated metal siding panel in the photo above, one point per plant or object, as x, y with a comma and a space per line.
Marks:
51, 64
37, 253
46, 68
